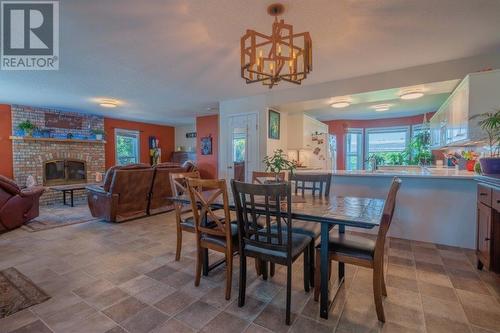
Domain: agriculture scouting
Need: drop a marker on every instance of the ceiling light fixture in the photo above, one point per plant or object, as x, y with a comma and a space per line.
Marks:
108, 103
411, 94
381, 107
340, 104
284, 55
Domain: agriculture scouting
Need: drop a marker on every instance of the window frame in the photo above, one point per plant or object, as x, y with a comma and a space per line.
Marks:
127, 132
391, 129
360, 153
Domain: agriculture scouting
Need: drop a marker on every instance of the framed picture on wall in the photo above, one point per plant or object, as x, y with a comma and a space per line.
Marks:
206, 145
274, 125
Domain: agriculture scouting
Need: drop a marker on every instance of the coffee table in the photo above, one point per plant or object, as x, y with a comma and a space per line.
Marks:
71, 188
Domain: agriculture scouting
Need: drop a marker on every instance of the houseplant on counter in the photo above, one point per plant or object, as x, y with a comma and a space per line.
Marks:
27, 127
279, 162
490, 124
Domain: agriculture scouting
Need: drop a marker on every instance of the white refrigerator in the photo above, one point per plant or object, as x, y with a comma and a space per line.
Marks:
320, 153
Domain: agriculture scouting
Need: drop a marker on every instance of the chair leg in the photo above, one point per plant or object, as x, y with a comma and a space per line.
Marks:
263, 268
377, 294
243, 280
311, 262
288, 291
382, 280
199, 264
272, 269
317, 276
307, 271
229, 274
179, 244
258, 267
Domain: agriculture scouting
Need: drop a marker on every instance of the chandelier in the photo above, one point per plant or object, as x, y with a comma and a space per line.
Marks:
284, 55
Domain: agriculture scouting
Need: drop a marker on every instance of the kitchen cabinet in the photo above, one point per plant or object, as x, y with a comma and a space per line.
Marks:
301, 129
451, 125
488, 227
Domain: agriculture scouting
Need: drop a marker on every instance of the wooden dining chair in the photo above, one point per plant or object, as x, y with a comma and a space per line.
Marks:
221, 235
258, 175
183, 213
363, 251
276, 242
318, 185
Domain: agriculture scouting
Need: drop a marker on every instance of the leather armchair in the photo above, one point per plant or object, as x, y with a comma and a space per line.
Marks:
17, 206
124, 194
162, 189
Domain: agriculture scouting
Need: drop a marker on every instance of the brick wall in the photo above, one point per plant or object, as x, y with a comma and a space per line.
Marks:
29, 156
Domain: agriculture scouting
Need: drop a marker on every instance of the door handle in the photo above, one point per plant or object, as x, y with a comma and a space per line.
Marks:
487, 239
229, 167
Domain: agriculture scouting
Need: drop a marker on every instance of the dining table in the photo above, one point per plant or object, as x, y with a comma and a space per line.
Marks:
341, 211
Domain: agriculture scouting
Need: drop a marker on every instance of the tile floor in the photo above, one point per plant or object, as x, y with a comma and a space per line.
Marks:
123, 278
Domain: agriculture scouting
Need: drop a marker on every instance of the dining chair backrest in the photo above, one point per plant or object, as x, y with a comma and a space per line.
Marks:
271, 202
387, 215
312, 182
258, 177
204, 193
178, 184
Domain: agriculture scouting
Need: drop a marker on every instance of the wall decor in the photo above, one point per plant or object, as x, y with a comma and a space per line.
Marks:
191, 135
59, 120
154, 150
206, 145
274, 125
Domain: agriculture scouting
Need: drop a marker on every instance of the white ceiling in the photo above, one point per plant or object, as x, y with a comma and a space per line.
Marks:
172, 60
362, 104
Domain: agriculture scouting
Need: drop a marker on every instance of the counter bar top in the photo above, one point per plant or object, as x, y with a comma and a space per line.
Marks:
444, 173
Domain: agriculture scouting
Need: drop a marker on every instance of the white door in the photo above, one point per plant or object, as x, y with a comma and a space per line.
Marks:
243, 151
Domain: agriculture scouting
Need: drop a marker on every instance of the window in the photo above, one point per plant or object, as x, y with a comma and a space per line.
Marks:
416, 129
127, 146
388, 143
354, 149
239, 143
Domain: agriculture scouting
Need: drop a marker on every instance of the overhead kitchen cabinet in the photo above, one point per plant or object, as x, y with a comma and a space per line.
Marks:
301, 129
451, 125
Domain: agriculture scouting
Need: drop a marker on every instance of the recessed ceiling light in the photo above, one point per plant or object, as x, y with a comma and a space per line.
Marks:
381, 107
108, 103
412, 93
340, 104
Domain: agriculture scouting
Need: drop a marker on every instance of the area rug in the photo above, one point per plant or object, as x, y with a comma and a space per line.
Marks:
56, 216
17, 292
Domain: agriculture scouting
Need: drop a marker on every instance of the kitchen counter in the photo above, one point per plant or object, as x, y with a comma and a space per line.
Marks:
446, 173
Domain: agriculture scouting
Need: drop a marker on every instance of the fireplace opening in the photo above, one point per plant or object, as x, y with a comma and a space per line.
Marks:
63, 172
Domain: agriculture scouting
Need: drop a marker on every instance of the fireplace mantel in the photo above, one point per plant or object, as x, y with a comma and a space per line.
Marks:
26, 138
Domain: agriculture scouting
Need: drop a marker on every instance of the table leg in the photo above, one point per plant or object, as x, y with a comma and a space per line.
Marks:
341, 264
64, 197
324, 271
71, 193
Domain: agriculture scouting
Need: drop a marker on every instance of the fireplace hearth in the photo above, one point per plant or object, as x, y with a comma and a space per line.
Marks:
64, 171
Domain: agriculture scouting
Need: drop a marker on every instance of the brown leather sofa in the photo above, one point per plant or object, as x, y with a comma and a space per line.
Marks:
17, 206
161, 189
124, 194
134, 191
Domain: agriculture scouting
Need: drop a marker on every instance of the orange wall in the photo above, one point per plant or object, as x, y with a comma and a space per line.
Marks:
166, 135
208, 126
5, 143
339, 127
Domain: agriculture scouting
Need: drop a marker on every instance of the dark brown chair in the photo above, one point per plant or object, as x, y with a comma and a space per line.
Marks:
258, 175
17, 206
124, 195
161, 190
221, 235
183, 213
363, 251
276, 243
318, 185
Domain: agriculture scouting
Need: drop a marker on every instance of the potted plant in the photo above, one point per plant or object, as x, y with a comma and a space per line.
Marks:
27, 127
490, 124
99, 134
278, 162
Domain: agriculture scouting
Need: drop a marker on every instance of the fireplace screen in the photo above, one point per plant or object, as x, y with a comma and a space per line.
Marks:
61, 172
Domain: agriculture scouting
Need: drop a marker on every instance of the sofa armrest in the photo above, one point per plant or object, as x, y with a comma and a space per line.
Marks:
32, 191
96, 189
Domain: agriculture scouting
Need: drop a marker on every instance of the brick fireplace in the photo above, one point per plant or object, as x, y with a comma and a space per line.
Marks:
67, 161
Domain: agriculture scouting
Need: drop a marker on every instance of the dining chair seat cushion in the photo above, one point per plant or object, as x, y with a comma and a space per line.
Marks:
299, 243
221, 241
351, 245
311, 229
